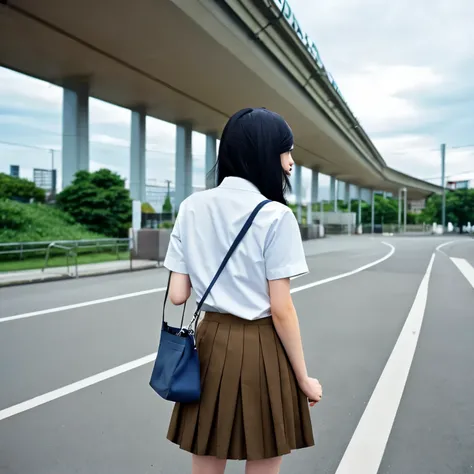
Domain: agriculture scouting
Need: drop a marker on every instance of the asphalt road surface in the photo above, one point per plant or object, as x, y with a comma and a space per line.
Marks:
388, 328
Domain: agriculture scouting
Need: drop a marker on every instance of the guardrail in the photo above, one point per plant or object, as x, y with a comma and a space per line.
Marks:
69, 253
23, 248
72, 250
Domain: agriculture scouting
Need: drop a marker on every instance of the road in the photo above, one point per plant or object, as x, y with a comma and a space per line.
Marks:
388, 328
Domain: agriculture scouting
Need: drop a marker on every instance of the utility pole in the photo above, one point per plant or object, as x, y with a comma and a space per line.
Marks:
443, 185
168, 182
53, 175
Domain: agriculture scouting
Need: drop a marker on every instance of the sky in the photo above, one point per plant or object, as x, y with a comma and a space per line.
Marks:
405, 69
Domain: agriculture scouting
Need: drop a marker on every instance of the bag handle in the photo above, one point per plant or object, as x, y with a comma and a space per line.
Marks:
166, 298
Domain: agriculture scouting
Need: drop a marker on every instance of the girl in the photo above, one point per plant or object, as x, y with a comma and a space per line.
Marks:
255, 389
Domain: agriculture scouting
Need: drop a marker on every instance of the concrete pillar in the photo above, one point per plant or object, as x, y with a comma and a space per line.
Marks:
359, 207
372, 194
75, 149
314, 194
314, 186
184, 164
333, 191
336, 195
138, 155
298, 191
211, 156
347, 194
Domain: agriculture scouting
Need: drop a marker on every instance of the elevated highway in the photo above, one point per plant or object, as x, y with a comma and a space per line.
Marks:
195, 63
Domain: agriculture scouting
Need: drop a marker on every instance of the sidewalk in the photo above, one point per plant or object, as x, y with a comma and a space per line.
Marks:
61, 273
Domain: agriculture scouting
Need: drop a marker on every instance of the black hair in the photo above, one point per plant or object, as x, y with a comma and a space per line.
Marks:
250, 148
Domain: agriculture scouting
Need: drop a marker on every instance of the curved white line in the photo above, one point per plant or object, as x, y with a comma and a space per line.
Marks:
79, 305
107, 374
158, 290
440, 246
352, 272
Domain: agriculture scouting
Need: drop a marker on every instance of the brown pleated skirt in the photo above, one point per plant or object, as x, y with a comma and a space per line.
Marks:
251, 406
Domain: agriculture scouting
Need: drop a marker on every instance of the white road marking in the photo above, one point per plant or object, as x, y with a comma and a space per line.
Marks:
74, 387
465, 268
344, 275
366, 448
87, 382
80, 305
157, 290
439, 247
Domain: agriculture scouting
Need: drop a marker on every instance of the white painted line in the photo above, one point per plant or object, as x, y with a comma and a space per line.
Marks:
439, 247
157, 290
80, 305
74, 387
344, 275
366, 448
465, 268
87, 382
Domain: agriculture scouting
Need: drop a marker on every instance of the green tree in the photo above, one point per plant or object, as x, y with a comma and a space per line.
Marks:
20, 189
99, 201
386, 210
167, 207
459, 208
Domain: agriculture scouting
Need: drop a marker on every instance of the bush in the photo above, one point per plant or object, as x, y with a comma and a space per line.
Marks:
99, 201
147, 208
38, 222
20, 189
166, 225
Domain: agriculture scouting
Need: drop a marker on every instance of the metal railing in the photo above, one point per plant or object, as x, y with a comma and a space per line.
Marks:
72, 249
69, 253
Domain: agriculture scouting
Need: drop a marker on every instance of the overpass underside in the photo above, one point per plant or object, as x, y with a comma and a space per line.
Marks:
196, 62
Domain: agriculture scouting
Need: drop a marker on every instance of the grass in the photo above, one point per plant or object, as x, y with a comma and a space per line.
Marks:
38, 222
60, 261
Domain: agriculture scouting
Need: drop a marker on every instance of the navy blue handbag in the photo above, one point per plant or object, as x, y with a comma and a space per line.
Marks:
176, 374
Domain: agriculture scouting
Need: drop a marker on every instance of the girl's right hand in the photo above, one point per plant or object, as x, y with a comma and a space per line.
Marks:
312, 389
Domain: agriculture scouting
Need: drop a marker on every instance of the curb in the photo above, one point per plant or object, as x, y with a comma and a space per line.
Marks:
68, 277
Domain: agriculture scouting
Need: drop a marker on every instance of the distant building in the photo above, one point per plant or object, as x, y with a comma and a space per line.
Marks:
460, 184
156, 195
416, 206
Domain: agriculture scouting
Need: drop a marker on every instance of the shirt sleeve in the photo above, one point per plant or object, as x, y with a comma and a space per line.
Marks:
174, 260
284, 253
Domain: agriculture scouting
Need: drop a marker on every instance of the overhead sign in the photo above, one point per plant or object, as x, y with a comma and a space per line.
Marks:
310, 45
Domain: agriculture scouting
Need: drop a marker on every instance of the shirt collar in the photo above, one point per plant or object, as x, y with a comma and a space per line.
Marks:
240, 184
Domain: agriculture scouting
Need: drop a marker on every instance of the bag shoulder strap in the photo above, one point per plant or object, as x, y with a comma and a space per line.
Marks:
236, 242
234, 245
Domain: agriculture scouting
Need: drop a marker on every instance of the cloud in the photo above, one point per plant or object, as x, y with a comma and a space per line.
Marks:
375, 92
404, 68
31, 121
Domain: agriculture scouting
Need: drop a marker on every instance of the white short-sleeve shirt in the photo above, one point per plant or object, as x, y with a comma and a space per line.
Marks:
207, 224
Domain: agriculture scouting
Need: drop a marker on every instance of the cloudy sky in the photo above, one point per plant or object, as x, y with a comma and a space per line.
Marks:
406, 69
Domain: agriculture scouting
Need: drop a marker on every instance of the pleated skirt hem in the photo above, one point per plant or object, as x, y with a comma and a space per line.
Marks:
251, 407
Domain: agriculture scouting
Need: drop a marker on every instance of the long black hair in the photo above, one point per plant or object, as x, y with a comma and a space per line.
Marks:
250, 148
